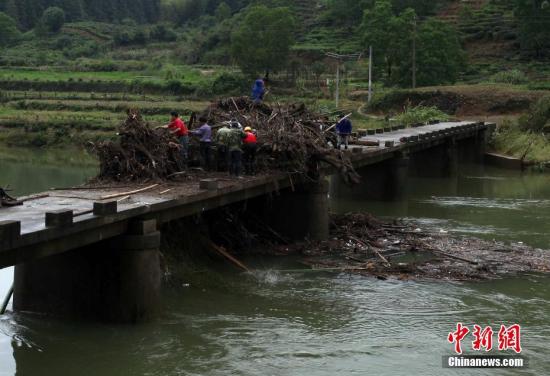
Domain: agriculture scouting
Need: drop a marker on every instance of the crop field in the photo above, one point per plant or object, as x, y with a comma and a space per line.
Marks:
50, 117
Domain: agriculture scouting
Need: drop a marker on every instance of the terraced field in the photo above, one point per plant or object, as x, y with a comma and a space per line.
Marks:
49, 117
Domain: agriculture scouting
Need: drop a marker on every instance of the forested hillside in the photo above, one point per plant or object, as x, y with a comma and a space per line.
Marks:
70, 68
28, 12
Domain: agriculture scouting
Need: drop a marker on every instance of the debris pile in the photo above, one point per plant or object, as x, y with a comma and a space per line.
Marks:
290, 136
140, 153
290, 140
363, 244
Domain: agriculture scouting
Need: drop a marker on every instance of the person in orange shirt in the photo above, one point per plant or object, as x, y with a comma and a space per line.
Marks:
250, 146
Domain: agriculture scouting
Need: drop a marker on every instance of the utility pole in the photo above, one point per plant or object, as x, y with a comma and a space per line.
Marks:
370, 74
414, 55
337, 83
339, 59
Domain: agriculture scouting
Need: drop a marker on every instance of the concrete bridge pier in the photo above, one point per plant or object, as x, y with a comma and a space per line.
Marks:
440, 161
472, 150
385, 181
397, 181
114, 281
299, 213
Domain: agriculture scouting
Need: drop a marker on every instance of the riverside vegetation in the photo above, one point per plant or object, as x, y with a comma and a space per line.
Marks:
70, 69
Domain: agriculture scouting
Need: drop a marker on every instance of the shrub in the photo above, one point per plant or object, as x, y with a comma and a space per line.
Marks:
538, 117
8, 30
122, 38
174, 86
421, 114
139, 37
230, 84
161, 33
539, 86
86, 49
63, 42
53, 19
513, 77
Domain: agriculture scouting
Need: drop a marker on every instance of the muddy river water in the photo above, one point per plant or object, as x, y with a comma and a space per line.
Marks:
273, 322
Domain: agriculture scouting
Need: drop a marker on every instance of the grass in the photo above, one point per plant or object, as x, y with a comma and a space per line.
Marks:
511, 141
420, 114
14, 95
145, 107
183, 73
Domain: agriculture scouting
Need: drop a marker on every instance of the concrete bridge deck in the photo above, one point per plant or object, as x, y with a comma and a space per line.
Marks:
57, 221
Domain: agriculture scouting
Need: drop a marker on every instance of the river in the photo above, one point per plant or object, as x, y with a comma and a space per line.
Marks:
280, 323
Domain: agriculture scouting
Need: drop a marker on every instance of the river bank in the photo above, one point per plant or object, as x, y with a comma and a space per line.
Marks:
521, 114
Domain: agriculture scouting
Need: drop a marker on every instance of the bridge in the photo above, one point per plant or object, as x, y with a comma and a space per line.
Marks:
94, 252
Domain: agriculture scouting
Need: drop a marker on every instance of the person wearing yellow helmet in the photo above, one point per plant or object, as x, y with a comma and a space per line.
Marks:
250, 145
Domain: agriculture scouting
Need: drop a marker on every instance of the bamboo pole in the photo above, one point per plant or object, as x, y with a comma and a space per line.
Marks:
334, 125
226, 254
6, 301
129, 193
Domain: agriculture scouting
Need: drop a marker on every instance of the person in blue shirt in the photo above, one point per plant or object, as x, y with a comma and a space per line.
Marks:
205, 135
258, 91
343, 130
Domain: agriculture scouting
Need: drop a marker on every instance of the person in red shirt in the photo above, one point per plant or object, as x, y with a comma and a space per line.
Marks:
179, 129
250, 146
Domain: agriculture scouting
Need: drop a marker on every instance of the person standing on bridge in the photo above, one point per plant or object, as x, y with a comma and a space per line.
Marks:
250, 145
222, 151
205, 134
178, 128
235, 143
343, 130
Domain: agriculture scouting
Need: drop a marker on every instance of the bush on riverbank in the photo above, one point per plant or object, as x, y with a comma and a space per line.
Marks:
512, 77
531, 147
421, 114
538, 118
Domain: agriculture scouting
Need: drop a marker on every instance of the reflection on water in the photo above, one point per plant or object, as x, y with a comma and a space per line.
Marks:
304, 325
28, 171
307, 323
487, 202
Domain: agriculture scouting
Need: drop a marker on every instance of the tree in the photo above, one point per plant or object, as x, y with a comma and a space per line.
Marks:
389, 35
439, 54
28, 13
348, 11
53, 19
8, 30
223, 12
263, 40
534, 26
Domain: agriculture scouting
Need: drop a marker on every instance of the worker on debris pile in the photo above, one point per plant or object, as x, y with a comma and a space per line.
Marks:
250, 144
178, 128
343, 130
205, 134
258, 91
222, 150
239, 125
235, 143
